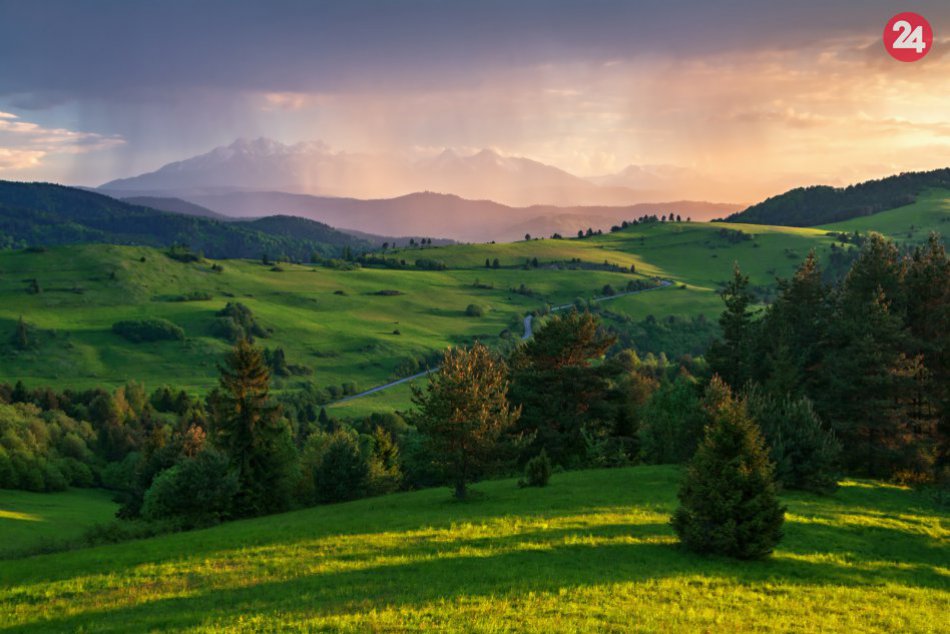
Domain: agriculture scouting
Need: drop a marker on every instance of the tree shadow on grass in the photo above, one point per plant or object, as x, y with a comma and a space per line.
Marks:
426, 571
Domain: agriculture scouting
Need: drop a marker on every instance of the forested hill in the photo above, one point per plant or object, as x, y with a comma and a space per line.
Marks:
819, 205
44, 214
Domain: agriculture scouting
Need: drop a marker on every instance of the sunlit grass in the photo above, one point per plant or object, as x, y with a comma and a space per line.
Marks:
591, 552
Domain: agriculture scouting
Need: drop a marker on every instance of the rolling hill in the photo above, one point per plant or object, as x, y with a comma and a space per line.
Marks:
43, 214
593, 551
444, 215
821, 205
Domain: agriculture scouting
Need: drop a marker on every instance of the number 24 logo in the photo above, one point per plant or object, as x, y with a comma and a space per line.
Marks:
910, 37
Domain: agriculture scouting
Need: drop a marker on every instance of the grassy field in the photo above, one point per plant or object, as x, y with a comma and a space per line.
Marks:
336, 324
910, 224
592, 552
30, 520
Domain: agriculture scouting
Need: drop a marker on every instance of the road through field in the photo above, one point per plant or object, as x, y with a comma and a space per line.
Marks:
528, 320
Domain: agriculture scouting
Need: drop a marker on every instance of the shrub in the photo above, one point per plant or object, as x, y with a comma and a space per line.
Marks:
341, 473
142, 330
537, 472
198, 491
474, 310
236, 321
728, 502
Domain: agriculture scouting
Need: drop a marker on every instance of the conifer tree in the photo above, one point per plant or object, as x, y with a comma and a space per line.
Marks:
728, 502
253, 433
730, 356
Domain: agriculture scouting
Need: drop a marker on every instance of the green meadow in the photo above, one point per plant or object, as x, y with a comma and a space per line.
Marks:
591, 552
909, 224
33, 520
336, 323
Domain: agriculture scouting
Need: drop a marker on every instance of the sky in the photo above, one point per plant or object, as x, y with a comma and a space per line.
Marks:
752, 97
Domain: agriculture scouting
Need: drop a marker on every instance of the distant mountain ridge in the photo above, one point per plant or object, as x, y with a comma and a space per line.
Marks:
45, 214
821, 204
315, 169
445, 215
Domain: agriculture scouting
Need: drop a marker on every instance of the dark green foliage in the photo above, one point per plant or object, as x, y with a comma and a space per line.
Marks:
197, 491
42, 213
253, 433
152, 329
235, 322
563, 395
194, 296
673, 422
537, 471
728, 502
730, 356
805, 451
474, 310
810, 206
463, 413
341, 472
385, 473
428, 264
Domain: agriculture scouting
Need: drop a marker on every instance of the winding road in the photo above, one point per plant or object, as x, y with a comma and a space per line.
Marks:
528, 320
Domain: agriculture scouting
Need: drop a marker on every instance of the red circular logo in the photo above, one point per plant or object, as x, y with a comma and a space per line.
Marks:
908, 37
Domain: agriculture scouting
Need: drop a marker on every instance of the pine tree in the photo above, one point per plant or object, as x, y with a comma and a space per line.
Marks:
562, 392
463, 413
253, 433
730, 356
728, 497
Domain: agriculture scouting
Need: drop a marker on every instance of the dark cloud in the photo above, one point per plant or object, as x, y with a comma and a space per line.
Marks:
56, 50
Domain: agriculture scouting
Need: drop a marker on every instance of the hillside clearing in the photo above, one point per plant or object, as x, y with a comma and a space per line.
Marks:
591, 552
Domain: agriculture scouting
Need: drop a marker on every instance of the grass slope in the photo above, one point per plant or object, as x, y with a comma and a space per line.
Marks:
29, 520
911, 224
347, 337
593, 552
350, 337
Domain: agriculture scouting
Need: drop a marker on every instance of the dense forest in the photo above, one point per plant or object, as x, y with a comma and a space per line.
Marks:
42, 214
820, 204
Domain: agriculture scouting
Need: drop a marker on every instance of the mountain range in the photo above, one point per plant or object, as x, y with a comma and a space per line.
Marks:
487, 196
314, 168
444, 215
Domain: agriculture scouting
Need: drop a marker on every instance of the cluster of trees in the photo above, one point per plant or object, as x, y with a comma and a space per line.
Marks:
871, 353
235, 322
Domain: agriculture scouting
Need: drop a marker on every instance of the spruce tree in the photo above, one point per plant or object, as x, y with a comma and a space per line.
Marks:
730, 356
253, 433
728, 497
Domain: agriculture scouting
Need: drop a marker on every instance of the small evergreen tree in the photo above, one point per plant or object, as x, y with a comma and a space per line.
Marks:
537, 472
728, 500
730, 357
804, 450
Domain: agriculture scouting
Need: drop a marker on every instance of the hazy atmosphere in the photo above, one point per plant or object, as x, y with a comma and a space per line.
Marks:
673, 100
